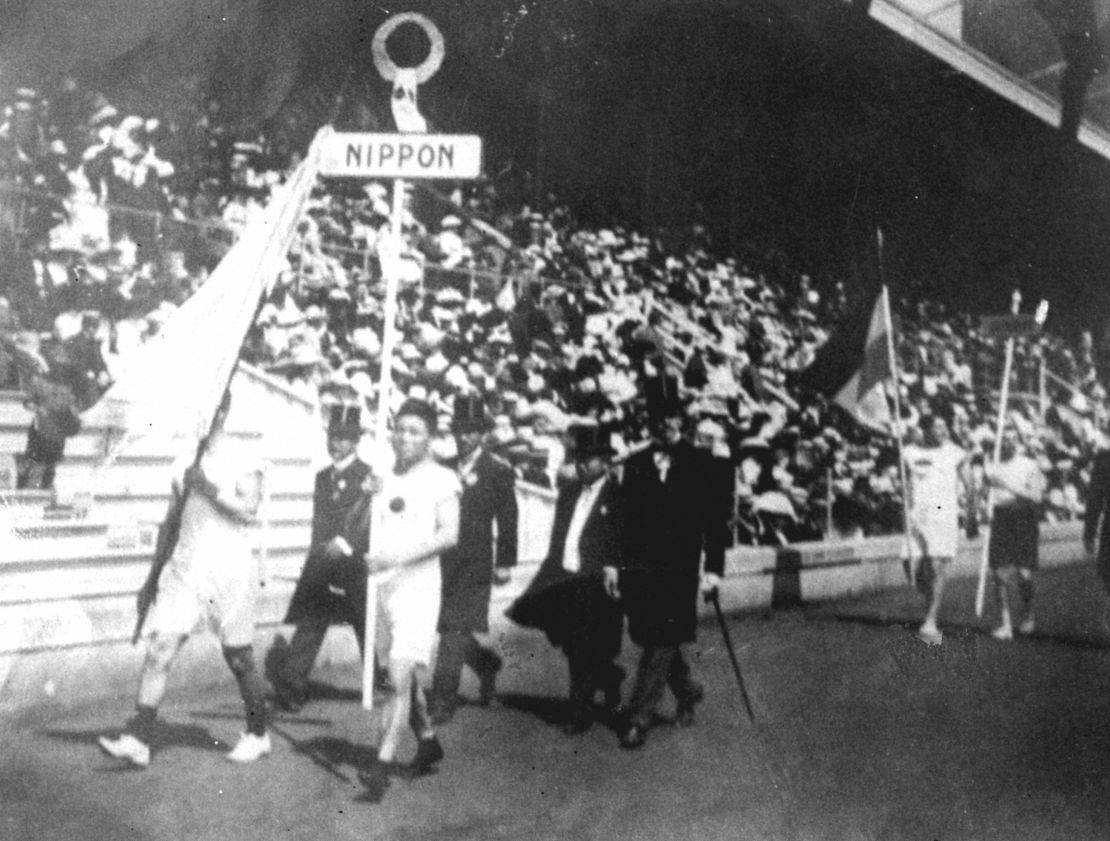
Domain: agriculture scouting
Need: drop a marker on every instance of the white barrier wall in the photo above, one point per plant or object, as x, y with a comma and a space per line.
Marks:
65, 627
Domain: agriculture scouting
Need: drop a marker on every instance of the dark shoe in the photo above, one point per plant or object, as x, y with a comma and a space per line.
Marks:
487, 678
613, 691
633, 737
288, 699
375, 780
684, 712
428, 752
440, 712
580, 722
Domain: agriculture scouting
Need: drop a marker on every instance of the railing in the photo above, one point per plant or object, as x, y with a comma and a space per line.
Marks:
172, 233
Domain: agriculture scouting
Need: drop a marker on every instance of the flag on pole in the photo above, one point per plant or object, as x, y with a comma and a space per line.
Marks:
854, 365
172, 384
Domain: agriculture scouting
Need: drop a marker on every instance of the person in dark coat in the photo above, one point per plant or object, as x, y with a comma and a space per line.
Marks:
86, 359
674, 515
1098, 501
332, 586
571, 598
471, 568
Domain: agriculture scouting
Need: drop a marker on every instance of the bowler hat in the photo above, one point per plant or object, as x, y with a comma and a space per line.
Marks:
345, 422
469, 414
592, 440
421, 409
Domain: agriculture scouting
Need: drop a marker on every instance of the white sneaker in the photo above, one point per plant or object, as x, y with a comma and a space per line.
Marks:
126, 746
1027, 625
1003, 632
930, 635
250, 748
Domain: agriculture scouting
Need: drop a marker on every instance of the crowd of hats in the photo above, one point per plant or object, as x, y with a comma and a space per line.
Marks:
557, 323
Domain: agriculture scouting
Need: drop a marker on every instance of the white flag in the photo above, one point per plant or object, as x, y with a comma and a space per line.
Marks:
172, 383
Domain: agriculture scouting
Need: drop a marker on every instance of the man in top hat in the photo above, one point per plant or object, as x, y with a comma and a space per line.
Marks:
470, 569
571, 598
332, 586
674, 515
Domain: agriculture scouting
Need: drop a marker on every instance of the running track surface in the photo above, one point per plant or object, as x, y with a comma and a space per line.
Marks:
862, 732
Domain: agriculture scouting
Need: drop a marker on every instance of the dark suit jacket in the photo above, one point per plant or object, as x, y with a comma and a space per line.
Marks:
670, 525
1098, 501
572, 607
488, 497
333, 590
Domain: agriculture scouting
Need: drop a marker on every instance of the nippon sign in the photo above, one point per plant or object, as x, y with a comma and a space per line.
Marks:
357, 154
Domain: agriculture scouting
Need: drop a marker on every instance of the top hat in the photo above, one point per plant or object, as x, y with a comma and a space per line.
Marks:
662, 397
469, 414
591, 440
345, 422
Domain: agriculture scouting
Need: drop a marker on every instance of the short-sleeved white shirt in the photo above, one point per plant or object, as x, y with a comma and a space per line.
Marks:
209, 536
404, 513
935, 494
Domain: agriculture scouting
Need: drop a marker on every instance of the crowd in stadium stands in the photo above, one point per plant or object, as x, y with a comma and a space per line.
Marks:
107, 228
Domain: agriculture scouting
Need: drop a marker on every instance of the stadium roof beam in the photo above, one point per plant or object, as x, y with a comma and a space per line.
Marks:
1046, 57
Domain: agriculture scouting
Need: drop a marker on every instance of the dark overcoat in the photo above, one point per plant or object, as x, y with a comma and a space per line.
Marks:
670, 524
572, 608
329, 589
1098, 501
488, 498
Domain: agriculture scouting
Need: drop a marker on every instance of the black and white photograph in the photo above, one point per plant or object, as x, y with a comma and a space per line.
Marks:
555, 420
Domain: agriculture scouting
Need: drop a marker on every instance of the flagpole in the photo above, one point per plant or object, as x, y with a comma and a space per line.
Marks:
391, 270
1003, 399
897, 425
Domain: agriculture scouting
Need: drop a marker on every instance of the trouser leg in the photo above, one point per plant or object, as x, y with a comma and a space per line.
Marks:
455, 649
680, 679
304, 646
582, 667
652, 674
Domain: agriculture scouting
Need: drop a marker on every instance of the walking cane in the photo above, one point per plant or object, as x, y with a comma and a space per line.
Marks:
715, 601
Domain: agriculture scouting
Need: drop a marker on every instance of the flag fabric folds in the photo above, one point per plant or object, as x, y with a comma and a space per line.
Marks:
854, 365
173, 382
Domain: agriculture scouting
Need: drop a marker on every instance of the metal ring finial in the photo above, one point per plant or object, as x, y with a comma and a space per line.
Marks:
427, 68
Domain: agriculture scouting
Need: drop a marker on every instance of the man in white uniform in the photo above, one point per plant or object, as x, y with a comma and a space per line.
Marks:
414, 518
212, 578
935, 470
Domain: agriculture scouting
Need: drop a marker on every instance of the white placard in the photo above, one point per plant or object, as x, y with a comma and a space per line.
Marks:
358, 154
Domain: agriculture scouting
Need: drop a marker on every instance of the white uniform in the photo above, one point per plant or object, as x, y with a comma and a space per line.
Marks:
404, 514
213, 575
935, 498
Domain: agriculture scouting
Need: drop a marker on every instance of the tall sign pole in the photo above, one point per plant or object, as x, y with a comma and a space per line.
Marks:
1021, 328
411, 153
